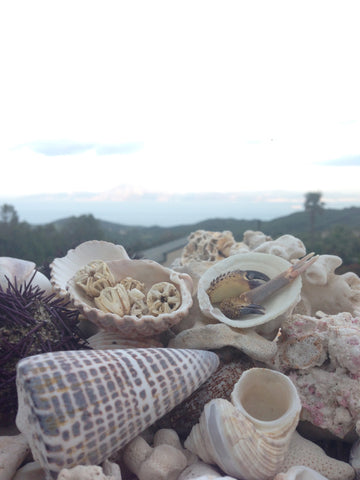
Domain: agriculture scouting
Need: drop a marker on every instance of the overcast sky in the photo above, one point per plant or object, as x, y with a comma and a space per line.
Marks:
179, 95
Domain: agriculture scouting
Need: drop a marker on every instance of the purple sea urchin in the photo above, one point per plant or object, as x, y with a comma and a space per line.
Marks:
31, 322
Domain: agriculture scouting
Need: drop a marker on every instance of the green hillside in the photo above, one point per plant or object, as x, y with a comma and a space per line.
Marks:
333, 231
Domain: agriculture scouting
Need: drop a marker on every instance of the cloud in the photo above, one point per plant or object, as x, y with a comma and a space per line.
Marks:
122, 148
350, 161
59, 147
52, 148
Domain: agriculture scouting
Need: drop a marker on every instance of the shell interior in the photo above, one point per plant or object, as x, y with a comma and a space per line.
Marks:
270, 265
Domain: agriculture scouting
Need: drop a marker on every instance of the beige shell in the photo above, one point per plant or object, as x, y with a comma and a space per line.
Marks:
130, 325
270, 265
62, 269
249, 437
79, 407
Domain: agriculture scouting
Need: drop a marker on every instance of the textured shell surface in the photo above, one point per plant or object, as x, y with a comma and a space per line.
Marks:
79, 407
22, 271
249, 437
130, 325
270, 265
299, 472
63, 269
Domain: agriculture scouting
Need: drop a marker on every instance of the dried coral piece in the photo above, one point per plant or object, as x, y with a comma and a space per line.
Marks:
163, 297
114, 300
130, 283
94, 277
207, 246
138, 305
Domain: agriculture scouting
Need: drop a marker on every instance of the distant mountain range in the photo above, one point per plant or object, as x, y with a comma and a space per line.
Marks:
137, 206
142, 237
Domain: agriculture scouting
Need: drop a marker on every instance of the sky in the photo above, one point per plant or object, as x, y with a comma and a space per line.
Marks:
179, 96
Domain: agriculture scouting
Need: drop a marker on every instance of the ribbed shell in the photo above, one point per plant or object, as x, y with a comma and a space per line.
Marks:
250, 437
79, 407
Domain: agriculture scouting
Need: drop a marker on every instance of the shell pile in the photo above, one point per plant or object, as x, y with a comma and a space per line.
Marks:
179, 386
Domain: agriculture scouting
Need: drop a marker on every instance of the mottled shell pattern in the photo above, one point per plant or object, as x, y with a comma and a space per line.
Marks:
79, 407
267, 265
118, 294
249, 437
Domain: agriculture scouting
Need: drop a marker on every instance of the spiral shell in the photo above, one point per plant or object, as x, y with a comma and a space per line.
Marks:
79, 407
249, 437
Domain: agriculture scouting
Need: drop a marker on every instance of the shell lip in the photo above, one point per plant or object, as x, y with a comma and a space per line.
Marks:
267, 263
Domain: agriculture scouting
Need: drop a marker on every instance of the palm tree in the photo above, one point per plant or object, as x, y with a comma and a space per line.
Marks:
314, 206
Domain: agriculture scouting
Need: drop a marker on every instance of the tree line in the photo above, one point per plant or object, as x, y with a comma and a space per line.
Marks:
42, 243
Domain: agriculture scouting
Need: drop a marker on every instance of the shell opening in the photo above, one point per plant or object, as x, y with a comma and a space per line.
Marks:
265, 395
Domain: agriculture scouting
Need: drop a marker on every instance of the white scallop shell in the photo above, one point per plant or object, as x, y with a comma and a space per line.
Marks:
121, 266
62, 269
271, 265
21, 271
249, 437
130, 326
79, 407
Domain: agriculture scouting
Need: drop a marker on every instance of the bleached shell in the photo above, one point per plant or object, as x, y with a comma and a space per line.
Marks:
104, 340
79, 407
130, 326
63, 269
249, 437
275, 306
21, 271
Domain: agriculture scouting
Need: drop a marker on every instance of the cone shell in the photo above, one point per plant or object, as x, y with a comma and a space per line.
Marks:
79, 407
249, 438
270, 265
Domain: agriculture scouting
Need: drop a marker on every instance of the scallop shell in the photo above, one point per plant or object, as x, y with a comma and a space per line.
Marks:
131, 326
270, 265
22, 271
121, 266
249, 437
62, 269
79, 407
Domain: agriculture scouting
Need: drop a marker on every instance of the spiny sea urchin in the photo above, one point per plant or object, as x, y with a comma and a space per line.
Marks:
31, 322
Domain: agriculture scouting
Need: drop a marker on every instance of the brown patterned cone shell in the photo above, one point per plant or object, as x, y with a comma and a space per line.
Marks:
79, 407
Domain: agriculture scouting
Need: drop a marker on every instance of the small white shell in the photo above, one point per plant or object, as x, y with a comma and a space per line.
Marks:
270, 265
22, 271
79, 407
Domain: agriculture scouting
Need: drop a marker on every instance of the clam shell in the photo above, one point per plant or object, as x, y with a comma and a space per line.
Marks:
275, 306
79, 407
249, 438
62, 269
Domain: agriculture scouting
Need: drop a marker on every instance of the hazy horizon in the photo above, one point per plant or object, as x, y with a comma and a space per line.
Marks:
149, 209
